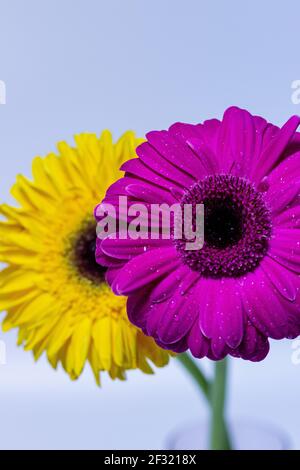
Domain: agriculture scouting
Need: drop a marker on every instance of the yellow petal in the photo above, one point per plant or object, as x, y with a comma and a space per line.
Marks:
59, 336
94, 363
19, 280
79, 346
102, 336
37, 309
8, 301
117, 341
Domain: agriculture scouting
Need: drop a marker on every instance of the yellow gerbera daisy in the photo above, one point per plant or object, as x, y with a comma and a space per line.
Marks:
52, 289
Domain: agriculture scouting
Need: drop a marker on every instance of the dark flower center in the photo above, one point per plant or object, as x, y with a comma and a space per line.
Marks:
237, 226
84, 254
223, 225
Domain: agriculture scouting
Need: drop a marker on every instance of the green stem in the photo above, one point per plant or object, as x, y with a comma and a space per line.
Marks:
219, 437
215, 393
195, 372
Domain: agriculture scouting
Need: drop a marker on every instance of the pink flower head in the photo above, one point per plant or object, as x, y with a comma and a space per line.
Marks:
242, 287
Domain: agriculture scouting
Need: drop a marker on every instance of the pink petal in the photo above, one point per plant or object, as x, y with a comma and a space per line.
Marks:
240, 140
193, 136
221, 314
179, 314
129, 248
240, 136
176, 152
284, 184
288, 219
149, 193
272, 153
197, 343
207, 159
254, 346
263, 305
284, 247
112, 273
145, 269
137, 168
209, 133
138, 308
281, 278
105, 260
159, 164
175, 280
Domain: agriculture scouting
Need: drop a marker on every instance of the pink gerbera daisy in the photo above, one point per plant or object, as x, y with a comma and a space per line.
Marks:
242, 287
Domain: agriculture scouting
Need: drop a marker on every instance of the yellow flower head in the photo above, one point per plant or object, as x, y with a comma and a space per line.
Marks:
52, 289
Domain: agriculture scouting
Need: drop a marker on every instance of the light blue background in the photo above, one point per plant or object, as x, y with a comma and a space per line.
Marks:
84, 65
